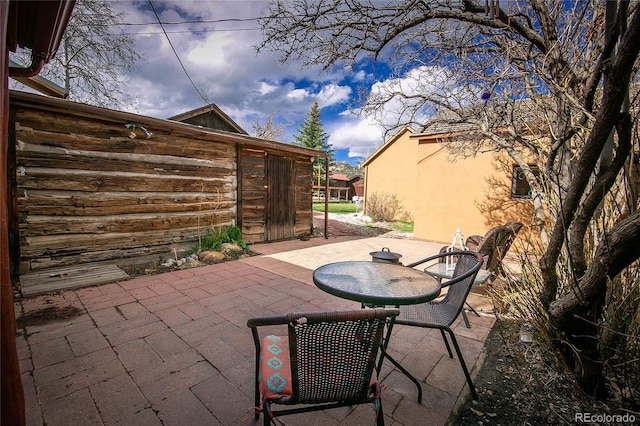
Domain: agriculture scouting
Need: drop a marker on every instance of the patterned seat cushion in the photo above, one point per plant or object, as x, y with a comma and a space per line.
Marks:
275, 368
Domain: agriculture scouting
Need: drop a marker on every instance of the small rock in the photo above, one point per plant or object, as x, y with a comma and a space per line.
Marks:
476, 412
211, 256
231, 248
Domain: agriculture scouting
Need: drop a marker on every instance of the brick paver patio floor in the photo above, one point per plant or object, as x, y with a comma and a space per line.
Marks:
174, 348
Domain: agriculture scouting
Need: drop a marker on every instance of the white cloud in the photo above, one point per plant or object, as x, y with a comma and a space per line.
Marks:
332, 94
266, 88
359, 76
361, 137
297, 95
403, 99
210, 51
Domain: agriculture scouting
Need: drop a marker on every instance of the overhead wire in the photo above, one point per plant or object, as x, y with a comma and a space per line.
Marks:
204, 98
187, 22
230, 30
201, 21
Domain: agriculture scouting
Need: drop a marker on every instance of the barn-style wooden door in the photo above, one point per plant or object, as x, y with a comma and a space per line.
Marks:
281, 206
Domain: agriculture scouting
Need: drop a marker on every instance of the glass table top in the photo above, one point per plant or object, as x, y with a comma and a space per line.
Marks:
376, 283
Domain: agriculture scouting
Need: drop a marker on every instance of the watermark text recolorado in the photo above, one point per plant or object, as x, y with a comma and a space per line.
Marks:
627, 418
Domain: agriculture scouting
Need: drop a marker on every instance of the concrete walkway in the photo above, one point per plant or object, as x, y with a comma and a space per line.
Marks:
174, 349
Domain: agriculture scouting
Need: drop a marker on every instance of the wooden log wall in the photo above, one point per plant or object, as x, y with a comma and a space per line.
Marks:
88, 192
303, 201
253, 196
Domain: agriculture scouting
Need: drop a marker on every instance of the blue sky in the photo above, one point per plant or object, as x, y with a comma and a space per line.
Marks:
221, 60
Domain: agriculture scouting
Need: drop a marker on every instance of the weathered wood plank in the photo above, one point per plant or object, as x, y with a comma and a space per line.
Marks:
88, 180
69, 278
111, 255
62, 158
82, 133
75, 203
69, 244
40, 141
59, 225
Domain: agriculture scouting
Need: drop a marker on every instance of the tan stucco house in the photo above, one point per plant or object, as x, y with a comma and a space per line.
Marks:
441, 193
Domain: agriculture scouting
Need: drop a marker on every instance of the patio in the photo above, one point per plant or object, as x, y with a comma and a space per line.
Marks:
174, 348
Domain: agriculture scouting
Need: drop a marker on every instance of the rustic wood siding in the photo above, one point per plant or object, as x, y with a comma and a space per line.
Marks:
87, 192
254, 194
253, 197
211, 121
281, 198
303, 201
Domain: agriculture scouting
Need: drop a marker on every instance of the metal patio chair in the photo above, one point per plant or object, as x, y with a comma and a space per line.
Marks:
442, 313
494, 246
323, 360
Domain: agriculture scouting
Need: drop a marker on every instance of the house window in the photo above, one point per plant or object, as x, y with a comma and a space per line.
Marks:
519, 186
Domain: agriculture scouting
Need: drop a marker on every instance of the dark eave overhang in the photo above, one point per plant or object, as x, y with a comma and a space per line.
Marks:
39, 26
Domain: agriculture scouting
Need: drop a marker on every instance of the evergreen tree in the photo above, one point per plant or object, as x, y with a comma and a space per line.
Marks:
311, 135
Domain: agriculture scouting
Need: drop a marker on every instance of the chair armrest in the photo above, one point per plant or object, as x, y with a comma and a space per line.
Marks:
314, 317
263, 321
427, 259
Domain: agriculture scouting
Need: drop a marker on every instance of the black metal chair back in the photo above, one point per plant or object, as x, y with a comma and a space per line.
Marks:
458, 288
332, 359
442, 313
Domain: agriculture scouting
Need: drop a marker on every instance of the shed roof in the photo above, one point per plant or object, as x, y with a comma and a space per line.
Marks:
447, 122
39, 83
154, 124
213, 109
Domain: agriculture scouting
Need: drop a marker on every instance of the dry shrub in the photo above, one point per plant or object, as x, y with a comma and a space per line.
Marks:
516, 296
383, 207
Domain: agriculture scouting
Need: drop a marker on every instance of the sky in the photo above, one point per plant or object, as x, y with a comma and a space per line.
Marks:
216, 62
221, 60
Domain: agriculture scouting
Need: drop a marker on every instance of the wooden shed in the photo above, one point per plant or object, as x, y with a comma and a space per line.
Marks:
92, 185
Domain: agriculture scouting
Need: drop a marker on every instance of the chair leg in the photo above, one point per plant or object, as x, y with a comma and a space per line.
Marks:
379, 413
463, 364
446, 343
256, 395
465, 319
266, 414
471, 309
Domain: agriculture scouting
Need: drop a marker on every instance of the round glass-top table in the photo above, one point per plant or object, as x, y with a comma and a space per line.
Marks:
376, 283
379, 284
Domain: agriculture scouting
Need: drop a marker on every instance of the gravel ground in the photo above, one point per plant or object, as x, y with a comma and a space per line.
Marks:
356, 224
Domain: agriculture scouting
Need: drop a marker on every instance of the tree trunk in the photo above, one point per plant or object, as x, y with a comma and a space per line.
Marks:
617, 249
576, 313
